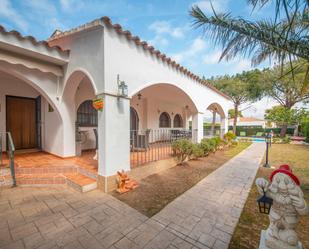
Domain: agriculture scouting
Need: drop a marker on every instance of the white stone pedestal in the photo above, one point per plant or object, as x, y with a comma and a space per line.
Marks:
263, 244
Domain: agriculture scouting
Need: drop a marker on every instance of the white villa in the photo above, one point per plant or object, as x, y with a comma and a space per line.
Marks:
47, 89
249, 121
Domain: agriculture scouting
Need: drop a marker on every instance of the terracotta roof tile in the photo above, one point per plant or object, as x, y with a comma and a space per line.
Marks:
117, 27
31, 39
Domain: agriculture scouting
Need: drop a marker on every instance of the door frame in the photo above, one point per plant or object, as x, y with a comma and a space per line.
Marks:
38, 143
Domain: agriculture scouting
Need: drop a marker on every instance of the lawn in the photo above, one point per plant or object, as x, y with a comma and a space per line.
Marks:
157, 190
247, 233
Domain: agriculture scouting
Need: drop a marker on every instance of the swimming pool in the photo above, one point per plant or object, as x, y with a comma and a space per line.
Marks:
253, 139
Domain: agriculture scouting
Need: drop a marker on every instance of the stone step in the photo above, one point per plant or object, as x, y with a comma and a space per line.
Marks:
40, 179
46, 170
81, 182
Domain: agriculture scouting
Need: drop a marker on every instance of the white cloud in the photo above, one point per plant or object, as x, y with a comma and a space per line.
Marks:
198, 45
212, 58
218, 5
41, 6
71, 5
164, 30
7, 11
164, 27
158, 41
236, 65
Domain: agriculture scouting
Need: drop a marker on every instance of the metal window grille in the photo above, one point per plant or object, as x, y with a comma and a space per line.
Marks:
87, 115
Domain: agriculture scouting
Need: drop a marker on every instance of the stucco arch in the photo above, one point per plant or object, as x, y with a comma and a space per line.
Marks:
31, 82
73, 81
178, 88
217, 108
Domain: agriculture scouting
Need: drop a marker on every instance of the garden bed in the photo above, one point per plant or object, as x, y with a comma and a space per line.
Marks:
157, 190
251, 222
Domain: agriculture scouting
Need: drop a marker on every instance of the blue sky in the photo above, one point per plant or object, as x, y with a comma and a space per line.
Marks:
165, 24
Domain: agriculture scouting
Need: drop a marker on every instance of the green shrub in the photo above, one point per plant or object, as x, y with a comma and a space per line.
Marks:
197, 151
182, 149
286, 140
245, 140
253, 130
229, 136
276, 140
305, 129
205, 146
234, 143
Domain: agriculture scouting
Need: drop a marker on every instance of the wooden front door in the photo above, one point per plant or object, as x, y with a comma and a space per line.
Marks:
21, 121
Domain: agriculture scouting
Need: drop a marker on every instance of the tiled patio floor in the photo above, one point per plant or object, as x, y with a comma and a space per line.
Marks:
203, 217
44, 168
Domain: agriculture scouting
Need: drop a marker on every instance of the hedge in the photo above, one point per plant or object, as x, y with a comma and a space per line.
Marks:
305, 129
252, 131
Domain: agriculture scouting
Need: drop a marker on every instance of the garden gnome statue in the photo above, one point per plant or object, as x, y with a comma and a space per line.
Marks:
288, 205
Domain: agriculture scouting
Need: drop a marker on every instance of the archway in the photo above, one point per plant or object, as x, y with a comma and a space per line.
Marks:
215, 121
164, 112
82, 118
134, 119
27, 109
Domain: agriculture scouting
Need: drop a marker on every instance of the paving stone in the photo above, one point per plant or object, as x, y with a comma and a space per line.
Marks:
207, 239
111, 239
14, 245
5, 235
33, 241
73, 245
125, 243
23, 231
94, 227
90, 242
220, 245
203, 217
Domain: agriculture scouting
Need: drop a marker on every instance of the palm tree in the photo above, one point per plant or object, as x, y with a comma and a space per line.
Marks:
283, 39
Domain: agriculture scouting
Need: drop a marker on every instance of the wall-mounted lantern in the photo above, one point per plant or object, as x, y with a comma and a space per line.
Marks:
122, 88
139, 96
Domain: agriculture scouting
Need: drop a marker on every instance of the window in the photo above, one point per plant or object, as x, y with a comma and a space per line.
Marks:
87, 115
178, 121
164, 121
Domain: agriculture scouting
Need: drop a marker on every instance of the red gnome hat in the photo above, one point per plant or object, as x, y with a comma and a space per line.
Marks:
285, 169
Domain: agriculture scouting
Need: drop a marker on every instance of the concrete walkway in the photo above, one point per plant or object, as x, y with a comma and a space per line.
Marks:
203, 217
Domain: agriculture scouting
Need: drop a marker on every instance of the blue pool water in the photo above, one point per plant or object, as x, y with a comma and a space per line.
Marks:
253, 139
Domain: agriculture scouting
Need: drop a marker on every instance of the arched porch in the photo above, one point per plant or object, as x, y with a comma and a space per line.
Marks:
214, 121
161, 114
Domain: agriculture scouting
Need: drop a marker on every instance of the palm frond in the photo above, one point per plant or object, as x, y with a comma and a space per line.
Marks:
262, 38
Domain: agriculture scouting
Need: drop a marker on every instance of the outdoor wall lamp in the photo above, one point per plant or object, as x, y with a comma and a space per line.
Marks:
264, 203
122, 88
139, 96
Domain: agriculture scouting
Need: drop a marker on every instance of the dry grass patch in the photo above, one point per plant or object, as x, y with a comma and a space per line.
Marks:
157, 190
247, 233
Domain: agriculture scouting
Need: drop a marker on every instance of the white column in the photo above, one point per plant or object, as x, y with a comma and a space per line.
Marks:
197, 126
114, 136
224, 125
68, 112
213, 123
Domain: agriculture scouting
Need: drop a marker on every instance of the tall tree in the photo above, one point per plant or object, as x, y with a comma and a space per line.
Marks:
284, 116
232, 113
286, 88
242, 88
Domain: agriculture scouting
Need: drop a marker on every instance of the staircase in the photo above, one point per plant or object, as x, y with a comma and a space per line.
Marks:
69, 175
72, 175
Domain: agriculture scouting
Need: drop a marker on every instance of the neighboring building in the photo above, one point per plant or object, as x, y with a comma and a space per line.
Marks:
249, 121
47, 88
